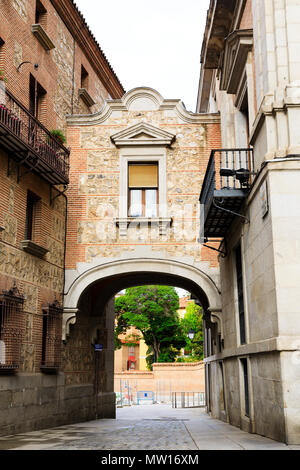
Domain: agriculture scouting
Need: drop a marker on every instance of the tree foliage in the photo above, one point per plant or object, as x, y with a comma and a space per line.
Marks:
153, 311
193, 320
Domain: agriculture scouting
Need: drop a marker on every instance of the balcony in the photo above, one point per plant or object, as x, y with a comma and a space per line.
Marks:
29, 143
227, 182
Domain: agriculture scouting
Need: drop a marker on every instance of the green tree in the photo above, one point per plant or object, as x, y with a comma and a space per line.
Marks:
153, 311
193, 320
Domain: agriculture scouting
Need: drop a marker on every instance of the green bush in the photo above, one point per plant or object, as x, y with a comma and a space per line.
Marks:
59, 135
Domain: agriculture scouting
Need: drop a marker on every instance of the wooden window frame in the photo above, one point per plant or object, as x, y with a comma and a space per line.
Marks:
143, 189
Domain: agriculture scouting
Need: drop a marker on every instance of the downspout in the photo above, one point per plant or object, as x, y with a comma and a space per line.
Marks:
65, 247
73, 79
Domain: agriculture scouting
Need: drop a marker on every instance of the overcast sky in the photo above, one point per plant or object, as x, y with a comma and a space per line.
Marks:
153, 43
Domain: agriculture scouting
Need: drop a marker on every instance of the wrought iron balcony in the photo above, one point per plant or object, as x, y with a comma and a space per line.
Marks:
27, 141
226, 184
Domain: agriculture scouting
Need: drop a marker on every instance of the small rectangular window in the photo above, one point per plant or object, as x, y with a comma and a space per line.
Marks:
2, 55
246, 385
37, 99
32, 200
51, 337
240, 293
143, 189
40, 13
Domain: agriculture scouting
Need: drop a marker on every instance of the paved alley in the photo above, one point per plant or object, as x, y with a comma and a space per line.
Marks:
148, 427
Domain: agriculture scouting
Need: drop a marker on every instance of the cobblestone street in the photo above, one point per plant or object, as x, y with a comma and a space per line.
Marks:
148, 427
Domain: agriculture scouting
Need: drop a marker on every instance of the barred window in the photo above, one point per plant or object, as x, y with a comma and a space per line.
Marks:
12, 325
51, 339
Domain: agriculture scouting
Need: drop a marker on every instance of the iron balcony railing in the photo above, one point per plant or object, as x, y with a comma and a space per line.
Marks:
22, 128
227, 169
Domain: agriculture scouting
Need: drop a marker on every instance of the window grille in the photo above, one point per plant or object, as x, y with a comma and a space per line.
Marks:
240, 292
51, 341
12, 325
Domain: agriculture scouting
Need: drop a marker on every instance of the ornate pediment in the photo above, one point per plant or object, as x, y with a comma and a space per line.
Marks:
142, 134
237, 46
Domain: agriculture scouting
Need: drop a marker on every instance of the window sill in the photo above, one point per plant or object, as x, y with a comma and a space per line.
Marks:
49, 369
8, 368
33, 248
124, 222
86, 97
42, 37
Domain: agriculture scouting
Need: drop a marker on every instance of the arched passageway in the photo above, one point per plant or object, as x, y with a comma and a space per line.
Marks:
89, 318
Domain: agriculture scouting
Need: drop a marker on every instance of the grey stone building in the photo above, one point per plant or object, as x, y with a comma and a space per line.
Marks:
250, 202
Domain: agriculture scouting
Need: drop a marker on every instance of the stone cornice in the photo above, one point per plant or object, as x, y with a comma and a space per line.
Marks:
86, 97
218, 26
156, 103
270, 106
79, 29
142, 134
237, 46
277, 344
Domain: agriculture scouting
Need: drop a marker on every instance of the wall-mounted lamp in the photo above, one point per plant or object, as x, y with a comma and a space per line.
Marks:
36, 66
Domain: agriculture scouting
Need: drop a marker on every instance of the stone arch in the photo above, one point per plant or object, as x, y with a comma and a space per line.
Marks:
124, 273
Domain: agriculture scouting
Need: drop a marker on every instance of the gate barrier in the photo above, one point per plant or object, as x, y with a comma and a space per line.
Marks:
188, 400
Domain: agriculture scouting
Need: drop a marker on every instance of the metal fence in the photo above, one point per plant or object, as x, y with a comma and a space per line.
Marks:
188, 399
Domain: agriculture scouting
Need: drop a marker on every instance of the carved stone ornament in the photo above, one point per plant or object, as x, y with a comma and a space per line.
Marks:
143, 134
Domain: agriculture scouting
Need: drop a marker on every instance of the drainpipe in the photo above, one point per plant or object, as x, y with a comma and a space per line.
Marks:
65, 246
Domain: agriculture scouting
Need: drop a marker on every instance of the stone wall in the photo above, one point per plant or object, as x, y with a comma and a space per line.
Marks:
81, 391
163, 380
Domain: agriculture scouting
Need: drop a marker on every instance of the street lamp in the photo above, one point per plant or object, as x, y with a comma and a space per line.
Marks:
191, 333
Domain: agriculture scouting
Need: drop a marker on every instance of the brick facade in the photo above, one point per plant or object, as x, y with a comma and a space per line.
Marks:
39, 274
59, 69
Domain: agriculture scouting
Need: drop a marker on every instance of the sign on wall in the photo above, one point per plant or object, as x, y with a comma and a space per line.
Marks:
264, 199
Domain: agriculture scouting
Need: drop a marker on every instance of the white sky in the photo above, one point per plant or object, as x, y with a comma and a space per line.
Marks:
155, 43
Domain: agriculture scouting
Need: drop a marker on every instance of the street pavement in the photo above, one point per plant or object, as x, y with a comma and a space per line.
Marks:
145, 427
